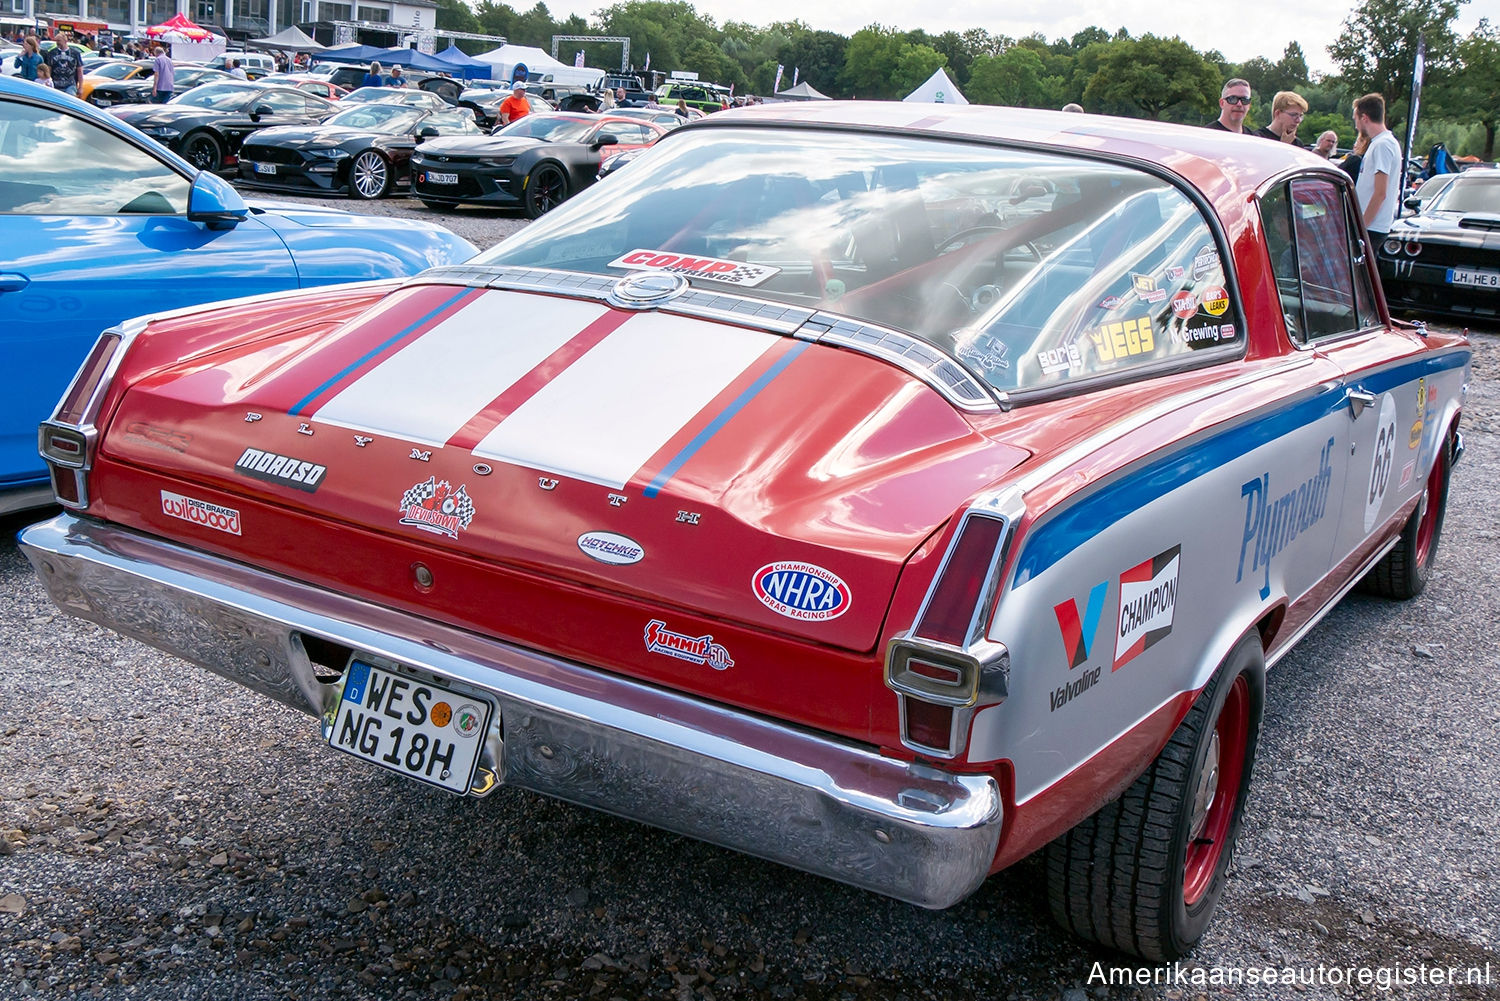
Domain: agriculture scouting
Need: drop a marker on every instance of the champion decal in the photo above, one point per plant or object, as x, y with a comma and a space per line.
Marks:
1148, 604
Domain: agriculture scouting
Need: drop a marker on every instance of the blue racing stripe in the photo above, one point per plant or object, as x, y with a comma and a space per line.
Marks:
307, 400
670, 469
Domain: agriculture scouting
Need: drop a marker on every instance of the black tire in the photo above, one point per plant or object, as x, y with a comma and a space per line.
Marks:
204, 151
369, 176
1143, 875
546, 188
1403, 572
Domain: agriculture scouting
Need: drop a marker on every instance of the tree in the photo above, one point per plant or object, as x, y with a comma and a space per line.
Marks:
868, 61
818, 57
913, 66
1154, 75
1013, 78
1377, 48
455, 15
1472, 92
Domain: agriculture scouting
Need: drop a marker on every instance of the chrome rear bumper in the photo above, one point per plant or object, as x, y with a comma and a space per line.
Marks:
577, 733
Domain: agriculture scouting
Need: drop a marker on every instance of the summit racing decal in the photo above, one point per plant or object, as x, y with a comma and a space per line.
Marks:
1148, 602
701, 650
1271, 524
283, 469
711, 268
1078, 632
220, 519
802, 591
437, 506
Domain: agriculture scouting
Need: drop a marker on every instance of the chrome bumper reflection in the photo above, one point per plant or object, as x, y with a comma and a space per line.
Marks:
825, 806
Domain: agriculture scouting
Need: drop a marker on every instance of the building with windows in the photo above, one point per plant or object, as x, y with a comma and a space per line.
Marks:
343, 21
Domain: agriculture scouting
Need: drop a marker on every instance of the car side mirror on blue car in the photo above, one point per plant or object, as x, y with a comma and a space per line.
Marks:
215, 203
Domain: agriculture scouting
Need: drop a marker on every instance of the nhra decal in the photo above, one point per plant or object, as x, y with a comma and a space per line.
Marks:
1145, 288
1058, 360
1078, 634
220, 519
1148, 602
1271, 524
607, 547
802, 591
1119, 341
282, 469
438, 507
1204, 261
1216, 300
701, 650
711, 268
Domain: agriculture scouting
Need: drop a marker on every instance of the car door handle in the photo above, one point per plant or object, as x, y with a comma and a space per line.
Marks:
1358, 400
10, 281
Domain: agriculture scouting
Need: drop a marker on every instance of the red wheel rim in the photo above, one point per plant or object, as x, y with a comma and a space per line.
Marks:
1433, 500
1205, 848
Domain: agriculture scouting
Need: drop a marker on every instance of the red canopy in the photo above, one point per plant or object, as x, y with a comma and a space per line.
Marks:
179, 25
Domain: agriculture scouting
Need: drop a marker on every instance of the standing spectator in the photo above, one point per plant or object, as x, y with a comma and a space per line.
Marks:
620, 97
237, 71
681, 109
163, 82
65, 64
373, 77
1234, 102
29, 59
1288, 108
1327, 143
1379, 183
43, 75
515, 107
396, 80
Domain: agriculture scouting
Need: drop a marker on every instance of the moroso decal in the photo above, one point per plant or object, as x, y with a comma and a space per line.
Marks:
220, 519
700, 650
710, 268
282, 469
1148, 603
802, 591
1118, 341
437, 506
1271, 524
1078, 633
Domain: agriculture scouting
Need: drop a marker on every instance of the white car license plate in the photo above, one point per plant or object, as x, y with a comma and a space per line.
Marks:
265, 168
439, 177
416, 728
1480, 279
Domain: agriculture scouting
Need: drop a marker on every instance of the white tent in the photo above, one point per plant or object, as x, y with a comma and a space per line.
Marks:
937, 90
506, 57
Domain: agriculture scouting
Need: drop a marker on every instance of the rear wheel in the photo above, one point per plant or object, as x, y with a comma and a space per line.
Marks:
546, 187
369, 175
1403, 572
1144, 874
203, 151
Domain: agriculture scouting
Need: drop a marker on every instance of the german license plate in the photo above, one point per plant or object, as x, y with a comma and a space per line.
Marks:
419, 729
265, 168
440, 177
1479, 279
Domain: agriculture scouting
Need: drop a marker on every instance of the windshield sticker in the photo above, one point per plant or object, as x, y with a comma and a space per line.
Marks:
1204, 261
1145, 288
1184, 304
994, 355
1216, 300
1119, 341
1198, 337
1060, 360
1110, 302
710, 268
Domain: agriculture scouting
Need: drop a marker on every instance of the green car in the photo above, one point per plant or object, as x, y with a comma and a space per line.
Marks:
706, 97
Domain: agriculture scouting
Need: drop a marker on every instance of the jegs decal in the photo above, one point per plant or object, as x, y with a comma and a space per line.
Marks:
1119, 341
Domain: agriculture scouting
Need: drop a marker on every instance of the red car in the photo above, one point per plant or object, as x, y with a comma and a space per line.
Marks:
890, 493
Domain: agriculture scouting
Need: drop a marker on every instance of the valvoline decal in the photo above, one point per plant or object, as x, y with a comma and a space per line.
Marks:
802, 591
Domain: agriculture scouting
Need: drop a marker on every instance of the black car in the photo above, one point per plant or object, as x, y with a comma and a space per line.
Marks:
139, 89
1446, 258
533, 163
483, 99
207, 125
362, 150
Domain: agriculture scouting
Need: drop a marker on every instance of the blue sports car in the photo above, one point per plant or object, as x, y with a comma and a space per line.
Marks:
98, 224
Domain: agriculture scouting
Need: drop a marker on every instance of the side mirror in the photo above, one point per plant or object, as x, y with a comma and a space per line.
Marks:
604, 139
264, 109
1414, 203
213, 202
427, 132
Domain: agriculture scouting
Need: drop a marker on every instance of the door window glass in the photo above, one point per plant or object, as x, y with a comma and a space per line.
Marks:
1324, 260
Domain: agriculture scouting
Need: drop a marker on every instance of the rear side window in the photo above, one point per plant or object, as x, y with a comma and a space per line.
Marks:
1318, 258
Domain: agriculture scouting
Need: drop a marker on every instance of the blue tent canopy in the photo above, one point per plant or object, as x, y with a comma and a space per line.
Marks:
349, 54
410, 58
465, 65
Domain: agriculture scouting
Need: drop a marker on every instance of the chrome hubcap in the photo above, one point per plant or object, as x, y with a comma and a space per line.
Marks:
1208, 788
369, 175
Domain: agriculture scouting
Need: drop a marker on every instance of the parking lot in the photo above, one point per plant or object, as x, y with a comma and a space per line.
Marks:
165, 834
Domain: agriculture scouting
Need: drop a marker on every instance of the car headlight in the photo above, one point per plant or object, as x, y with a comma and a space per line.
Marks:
1392, 245
328, 152
1413, 248
496, 161
161, 131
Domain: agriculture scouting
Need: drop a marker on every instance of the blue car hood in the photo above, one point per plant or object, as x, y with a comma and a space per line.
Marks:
319, 239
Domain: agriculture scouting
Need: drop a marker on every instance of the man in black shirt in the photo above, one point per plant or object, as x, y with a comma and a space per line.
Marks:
1234, 102
1287, 111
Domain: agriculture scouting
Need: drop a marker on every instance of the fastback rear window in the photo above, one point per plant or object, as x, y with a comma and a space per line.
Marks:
1033, 268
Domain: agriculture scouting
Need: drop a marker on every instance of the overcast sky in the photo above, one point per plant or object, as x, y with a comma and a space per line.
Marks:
1238, 30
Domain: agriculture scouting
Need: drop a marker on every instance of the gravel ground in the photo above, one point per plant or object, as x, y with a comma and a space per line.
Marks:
167, 835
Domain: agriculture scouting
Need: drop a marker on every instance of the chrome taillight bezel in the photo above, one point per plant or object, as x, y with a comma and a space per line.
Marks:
68, 441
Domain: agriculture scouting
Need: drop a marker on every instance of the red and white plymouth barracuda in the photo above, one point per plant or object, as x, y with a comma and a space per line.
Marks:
887, 492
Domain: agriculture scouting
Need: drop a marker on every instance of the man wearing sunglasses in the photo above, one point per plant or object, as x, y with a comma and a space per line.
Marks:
1234, 102
1287, 111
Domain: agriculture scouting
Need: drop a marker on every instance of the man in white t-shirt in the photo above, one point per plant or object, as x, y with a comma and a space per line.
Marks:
1380, 173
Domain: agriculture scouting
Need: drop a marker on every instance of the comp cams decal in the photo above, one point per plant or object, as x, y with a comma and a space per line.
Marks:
710, 268
700, 650
609, 547
437, 506
802, 591
199, 512
283, 469
1148, 603
1272, 523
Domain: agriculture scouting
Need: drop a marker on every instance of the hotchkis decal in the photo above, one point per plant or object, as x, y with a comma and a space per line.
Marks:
1216, 300
1148, 601
1272, 523
282, 469
1078, 633
1063, 359
607, 547
220, 519
1204, 261
700, 650
801, 591
1118, 341
711, 268
437, 506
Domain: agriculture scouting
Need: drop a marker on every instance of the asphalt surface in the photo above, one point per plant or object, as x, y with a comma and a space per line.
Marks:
167, 835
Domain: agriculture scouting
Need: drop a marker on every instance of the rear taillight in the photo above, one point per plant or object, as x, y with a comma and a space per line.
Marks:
67, 441
75, 402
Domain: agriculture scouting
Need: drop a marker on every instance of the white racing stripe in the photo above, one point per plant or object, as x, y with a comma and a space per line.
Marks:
430, 388
614, 408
